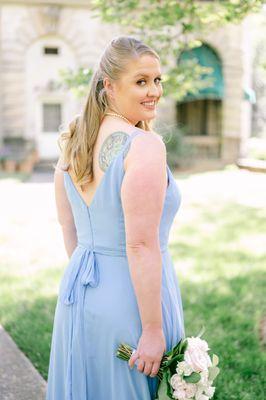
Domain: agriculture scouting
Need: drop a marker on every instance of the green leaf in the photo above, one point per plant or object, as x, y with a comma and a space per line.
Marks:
213, 372
175, 359
201, 332
193, 378
162, 392
175, 350
169, 386
215, 360
183, 346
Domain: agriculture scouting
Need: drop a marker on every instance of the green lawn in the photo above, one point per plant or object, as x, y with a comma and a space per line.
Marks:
224, 290
220, 257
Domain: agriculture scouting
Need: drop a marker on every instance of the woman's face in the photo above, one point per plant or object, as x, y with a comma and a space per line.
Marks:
136, 93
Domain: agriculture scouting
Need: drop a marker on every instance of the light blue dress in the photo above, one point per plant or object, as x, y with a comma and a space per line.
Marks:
97, 307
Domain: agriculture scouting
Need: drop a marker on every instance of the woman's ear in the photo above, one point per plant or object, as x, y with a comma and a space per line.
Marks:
107, 84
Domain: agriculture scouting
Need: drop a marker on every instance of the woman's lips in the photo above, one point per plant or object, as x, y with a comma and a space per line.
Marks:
150, 105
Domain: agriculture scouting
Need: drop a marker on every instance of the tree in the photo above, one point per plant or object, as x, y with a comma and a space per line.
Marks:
169, 26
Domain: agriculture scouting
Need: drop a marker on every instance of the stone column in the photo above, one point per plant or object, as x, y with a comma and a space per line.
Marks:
232, 109
238, 76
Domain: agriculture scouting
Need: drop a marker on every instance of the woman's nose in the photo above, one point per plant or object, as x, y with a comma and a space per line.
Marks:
154, 90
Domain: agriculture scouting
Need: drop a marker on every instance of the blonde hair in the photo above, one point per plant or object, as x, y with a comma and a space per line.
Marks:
77, 143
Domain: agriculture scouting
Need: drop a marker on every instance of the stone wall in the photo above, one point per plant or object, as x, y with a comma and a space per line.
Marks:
22, 27
25, 22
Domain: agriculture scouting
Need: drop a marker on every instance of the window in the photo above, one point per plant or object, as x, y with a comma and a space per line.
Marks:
200, 117
52, 116
51, 50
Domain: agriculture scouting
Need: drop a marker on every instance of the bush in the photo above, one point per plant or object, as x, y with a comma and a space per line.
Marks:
179, 153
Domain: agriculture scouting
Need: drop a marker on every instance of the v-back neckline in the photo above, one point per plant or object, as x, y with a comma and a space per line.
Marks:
89, 206
98, 187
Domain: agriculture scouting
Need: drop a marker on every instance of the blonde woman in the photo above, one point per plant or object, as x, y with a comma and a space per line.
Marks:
116, 200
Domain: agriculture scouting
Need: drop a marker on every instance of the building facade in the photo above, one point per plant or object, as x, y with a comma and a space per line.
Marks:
39, 38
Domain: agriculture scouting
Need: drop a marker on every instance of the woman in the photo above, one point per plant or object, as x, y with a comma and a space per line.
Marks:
116, 203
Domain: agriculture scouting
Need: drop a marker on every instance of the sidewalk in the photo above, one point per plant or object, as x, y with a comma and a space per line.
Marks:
19, 380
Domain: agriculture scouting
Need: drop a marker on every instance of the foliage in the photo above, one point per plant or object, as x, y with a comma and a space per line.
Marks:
179, 153
77, 81
168, 26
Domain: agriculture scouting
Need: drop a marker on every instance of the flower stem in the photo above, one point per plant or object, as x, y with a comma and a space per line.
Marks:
125, 351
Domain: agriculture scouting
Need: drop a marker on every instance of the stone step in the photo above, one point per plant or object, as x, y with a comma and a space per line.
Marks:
19, 380
252, 164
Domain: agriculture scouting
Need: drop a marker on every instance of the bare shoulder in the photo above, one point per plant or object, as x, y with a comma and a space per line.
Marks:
148, 141
145, 148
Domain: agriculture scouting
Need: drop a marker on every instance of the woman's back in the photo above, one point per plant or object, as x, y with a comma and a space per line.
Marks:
120, 284
97, 307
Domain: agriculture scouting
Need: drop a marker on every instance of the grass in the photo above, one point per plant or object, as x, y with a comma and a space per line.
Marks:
223, 289
219, 255
27, 305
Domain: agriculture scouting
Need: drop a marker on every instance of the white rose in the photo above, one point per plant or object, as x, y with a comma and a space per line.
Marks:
200, 389
179, 394
183, 368
176, 381
190, 390
198, 343
204, 377
196, 355
209, 391
202, 397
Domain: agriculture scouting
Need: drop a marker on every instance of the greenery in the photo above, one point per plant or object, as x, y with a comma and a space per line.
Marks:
170, 27
223, 290
220, 263
27, 306
77, 81
179, 153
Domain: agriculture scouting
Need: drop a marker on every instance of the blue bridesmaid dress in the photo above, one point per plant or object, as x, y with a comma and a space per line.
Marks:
97, 307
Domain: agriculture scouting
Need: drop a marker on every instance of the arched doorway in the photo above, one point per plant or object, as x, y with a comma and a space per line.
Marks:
200, 115
48, 106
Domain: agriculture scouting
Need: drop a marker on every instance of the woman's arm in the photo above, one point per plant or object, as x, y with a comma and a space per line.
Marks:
64, 212
142, 194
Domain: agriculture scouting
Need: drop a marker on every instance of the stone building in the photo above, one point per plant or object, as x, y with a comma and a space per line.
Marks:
40, 37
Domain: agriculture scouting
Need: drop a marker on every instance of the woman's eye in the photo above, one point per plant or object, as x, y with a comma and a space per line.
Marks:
143, 80
159, 80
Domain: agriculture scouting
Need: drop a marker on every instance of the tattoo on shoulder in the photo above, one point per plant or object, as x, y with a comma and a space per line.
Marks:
111, 147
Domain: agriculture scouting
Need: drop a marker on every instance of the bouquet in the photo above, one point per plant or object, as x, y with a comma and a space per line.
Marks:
186, 371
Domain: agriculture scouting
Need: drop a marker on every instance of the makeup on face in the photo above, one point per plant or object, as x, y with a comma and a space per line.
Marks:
139, 89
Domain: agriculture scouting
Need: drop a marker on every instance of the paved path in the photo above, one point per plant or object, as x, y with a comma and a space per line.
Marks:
19, 380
